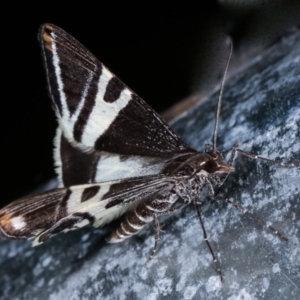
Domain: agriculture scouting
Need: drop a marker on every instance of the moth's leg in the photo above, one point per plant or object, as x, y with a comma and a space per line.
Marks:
187, 199
244, 211
158, 227
275, 162
216, 262
162, 205
68, 223
196, 201
158, 230
254, 217
211, 190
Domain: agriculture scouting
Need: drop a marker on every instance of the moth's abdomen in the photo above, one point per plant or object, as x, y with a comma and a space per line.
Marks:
135, 220
131, 223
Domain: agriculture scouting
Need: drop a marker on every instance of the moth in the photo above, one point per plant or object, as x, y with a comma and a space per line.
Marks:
114, 156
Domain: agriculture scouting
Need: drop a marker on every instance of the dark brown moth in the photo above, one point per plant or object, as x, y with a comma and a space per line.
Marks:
114, 156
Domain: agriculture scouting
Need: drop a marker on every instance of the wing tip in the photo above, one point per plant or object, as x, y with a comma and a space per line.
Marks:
45, 35
12, 227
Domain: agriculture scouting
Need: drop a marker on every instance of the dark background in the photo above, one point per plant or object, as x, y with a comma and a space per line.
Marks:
164, 53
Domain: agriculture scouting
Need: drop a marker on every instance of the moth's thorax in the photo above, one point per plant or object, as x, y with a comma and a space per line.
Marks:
204, 164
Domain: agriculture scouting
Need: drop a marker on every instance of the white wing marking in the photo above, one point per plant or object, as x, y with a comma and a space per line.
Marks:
93, 205
60, 84
18, 223
112, 167
104, 113
74, 117
57, 156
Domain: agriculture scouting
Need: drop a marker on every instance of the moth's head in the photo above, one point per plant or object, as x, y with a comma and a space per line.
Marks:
210, 163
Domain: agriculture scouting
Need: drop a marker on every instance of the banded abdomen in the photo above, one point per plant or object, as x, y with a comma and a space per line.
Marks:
135, 220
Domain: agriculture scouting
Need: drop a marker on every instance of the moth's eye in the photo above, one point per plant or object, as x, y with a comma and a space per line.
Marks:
211, 166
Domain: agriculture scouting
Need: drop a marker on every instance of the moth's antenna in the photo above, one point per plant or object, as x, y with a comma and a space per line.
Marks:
220, 101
